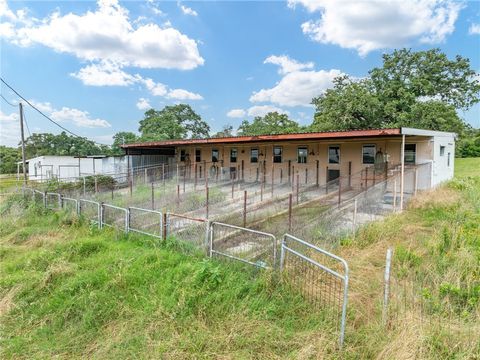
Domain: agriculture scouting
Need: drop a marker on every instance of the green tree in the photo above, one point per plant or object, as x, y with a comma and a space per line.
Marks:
225, 132
61, 144
173, 122
350, 104
8, 159
417, 89
121, 138
271, 123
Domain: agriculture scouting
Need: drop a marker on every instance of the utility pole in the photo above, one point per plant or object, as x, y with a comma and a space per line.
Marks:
20, 106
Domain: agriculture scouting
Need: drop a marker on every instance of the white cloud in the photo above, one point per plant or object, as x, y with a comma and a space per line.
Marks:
188, 11
143, 104
379, 24
236, 113
297, 88
104, 74
45, 107
156, 89
181, 94
262, 110
107, 34
286, 64
9, 129
474, 29
78, 118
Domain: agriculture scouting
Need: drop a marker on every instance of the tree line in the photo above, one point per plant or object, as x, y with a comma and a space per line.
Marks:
423, 89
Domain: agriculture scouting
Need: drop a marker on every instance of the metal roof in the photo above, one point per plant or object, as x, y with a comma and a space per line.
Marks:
273, 137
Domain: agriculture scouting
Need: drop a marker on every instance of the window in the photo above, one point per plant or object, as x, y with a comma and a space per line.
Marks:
277, 154
410, 153
233, 155
182, 155
442, 150
253, 155
302, 153
334, 154
198, 155
368, 154
214, 155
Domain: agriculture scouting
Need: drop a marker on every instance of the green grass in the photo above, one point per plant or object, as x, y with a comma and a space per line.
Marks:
467, 167
73, 291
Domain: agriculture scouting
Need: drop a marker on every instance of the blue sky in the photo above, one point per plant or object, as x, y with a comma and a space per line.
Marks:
96, 66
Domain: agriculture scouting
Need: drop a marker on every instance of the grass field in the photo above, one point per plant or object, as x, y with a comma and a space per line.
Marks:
467, 167
68, 290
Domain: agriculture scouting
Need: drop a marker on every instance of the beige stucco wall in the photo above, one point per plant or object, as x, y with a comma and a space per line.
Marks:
350, 152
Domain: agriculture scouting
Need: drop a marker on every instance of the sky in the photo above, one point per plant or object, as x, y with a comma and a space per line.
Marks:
96, 67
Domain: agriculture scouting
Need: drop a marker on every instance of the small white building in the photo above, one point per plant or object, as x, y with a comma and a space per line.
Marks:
69, 168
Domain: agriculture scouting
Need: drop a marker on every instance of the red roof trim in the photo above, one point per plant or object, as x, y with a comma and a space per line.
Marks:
280, 137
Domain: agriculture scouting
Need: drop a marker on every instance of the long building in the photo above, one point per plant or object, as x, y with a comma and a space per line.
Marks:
315, 158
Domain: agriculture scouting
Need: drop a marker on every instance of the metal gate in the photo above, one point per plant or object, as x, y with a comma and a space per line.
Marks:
90, 210
246, 245
188, 229
319, 275
145, 221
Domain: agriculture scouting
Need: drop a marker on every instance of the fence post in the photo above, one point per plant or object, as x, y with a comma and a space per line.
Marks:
206, 198
178, 194
164, 230
282, 254
101, 209
245, 208
84, 186
261, 191
96, 184
395, 194
317, 183
415, 181
290, 199
386, 293
45, 199
349, 174
354, 216
298, 188
195, 178
366, 178
60, 201
127, 221
145, 176
207, 237
153, 197
339, 191
326, 181
184, 175
306, 176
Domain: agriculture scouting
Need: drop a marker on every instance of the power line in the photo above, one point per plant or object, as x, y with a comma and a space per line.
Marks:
8, 102
47, 117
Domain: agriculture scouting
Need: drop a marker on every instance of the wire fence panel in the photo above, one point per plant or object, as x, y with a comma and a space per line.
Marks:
90, 210
38, 197
319, 275
246, 245
53, 201
147, 222
70, 205
114, 217
188, 229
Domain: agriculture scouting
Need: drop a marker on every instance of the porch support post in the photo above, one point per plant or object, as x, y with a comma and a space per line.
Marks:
402, 173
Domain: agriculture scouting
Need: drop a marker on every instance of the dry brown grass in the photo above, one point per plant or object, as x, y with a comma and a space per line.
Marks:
440, 197
6, 301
